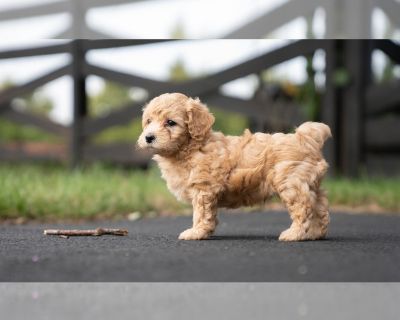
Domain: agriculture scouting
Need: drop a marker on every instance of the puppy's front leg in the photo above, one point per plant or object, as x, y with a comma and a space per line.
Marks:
204, 217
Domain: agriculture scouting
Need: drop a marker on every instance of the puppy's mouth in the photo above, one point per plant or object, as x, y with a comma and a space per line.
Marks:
145, 146
154, 147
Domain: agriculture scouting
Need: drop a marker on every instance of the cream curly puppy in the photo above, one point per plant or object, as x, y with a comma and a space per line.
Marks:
211, 170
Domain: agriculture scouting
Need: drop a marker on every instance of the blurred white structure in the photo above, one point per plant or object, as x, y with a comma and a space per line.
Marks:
342, 18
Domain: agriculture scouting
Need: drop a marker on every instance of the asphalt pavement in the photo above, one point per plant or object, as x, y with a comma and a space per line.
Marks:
244, 249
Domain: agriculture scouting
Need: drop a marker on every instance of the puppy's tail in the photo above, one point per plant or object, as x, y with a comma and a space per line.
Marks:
313, 133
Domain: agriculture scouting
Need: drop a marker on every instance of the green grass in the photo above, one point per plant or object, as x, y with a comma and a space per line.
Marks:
56, 193
52, 193
379, 192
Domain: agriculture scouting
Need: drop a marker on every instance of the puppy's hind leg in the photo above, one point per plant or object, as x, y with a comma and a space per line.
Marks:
301, 203
319, 226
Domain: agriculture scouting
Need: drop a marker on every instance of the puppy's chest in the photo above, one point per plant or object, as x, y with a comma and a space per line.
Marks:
177, 179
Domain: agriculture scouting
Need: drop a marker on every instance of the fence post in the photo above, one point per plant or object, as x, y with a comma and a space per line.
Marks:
358, 65
350, 19
358, 19
330, 110
79, 103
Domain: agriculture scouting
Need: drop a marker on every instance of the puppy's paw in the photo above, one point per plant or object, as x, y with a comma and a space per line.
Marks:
194, 234
298, 234
292, 234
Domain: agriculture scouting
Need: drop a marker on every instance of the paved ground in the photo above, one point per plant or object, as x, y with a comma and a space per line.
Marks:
202, 300
245, 248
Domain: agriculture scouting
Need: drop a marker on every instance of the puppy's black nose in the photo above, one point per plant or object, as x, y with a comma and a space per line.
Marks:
150, 138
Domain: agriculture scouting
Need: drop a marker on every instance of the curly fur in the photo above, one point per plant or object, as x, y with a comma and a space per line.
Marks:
211, 170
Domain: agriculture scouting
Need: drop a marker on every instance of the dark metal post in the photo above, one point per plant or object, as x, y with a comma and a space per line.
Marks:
358, 65
79, 103
330, 109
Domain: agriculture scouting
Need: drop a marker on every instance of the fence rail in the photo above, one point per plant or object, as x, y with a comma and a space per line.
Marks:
363, 115
343, 19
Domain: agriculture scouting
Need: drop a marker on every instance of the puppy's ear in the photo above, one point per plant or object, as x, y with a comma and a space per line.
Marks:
144, 119
199, 119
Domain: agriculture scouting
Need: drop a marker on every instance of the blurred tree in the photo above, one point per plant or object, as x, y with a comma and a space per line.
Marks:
112, 96
36, 101
178, 32
178, 72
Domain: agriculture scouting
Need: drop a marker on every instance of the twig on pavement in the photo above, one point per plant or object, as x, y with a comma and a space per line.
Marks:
87, 232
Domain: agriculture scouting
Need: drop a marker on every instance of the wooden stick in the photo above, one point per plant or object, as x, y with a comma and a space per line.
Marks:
87, 232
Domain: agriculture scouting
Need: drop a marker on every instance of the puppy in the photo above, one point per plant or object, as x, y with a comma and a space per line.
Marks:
211, 170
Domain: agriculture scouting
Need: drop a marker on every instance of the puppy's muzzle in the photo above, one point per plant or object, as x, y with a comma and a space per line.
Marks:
150, 138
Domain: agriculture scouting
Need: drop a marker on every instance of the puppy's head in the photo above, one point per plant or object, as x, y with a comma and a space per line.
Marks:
173, 120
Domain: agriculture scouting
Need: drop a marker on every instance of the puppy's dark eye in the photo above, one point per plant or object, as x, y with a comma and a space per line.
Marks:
148, 121
170, 123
